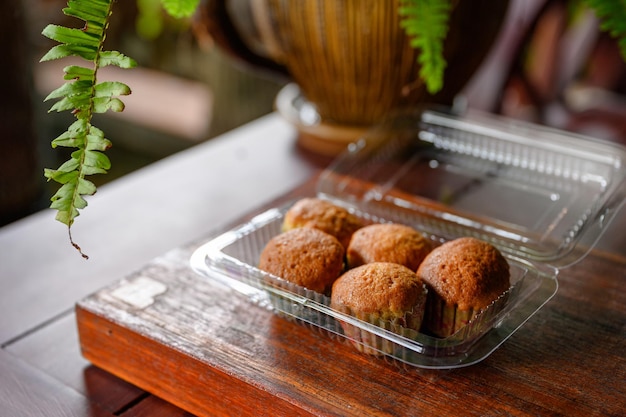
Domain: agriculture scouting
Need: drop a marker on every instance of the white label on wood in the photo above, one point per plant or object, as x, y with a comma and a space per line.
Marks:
140, 292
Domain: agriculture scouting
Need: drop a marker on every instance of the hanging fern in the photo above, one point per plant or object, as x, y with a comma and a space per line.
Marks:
426, 23
612, 14
84, 97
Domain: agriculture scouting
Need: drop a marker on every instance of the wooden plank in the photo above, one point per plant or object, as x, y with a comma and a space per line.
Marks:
26, 391
54, 349
209, 351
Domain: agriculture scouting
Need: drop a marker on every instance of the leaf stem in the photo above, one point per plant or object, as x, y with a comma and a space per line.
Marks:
75, 245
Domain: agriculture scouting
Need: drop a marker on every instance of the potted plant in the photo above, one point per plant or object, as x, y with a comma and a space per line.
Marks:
436, 56
354, 61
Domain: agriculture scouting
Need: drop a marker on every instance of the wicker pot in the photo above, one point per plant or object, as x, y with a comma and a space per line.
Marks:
350, 59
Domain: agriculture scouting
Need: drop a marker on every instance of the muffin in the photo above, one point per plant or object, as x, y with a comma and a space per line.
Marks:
463, 276
322, 215
395, 243
306, 257
386, 294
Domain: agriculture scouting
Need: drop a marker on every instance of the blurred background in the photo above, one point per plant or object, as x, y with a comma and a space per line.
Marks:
185, 91
547, 67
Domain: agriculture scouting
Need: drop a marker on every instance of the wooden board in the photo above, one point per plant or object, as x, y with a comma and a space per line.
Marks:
210, 351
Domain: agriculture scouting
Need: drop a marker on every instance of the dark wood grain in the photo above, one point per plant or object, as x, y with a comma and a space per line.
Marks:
207, 350
55, 350
25, 391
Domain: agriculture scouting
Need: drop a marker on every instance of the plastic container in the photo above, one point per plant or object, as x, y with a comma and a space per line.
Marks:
542, 196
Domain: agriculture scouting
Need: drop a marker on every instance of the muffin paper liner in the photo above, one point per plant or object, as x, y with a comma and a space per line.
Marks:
373, 344
445, 320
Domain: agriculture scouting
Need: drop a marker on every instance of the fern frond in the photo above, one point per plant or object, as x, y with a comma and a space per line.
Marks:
612, 14
84, 97
426, 23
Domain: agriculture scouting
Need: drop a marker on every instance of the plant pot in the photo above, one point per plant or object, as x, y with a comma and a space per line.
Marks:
350, 59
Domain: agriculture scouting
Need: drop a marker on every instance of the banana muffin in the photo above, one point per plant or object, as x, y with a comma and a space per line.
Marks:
306, 257
322, 215
387, 242
463, 276
382, 293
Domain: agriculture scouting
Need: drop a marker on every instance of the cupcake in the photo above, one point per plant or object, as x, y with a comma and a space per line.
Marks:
306, 257
395, 243
382, 293
322, 215
463, 276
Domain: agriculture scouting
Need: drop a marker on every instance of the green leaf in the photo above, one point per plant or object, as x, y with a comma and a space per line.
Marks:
65, 139
62, 105
103, 104
76, 103
73, 137
70, 89
68, 199
65, 50
97, 10
86, 187
111, 88
180, 8
97, 160
71, 36
69, 165
117, 59
80, 127
61, 177
63, 199
65, 216
97, 143
426, 23
75, 72
79, 201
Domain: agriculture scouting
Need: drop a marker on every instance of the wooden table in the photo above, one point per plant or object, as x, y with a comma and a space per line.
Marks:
569, 359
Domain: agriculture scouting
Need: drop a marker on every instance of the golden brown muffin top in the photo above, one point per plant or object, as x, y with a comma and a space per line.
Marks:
322, 215
387, 242
307, 257
385, 289
467, 272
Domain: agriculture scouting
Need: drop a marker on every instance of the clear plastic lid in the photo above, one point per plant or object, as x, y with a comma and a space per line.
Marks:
543, 197
537, 193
